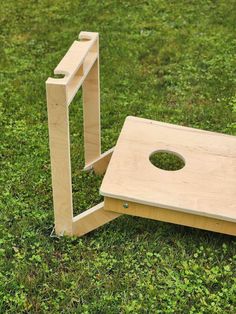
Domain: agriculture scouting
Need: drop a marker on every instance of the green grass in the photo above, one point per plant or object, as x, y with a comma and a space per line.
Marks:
173, 61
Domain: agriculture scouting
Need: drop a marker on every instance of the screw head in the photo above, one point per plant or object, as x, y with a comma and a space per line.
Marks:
126, 205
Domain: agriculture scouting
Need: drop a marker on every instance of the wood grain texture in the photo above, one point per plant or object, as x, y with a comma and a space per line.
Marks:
76, 64
100, 164
79, 66
172, 216
91, 110
205, 186
59, 141
92, 219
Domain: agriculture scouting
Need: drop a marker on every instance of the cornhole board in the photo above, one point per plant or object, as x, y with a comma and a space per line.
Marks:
202, 194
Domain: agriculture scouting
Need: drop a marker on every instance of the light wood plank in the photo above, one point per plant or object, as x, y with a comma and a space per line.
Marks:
76, 64
76, 55
100, 164
92, 219
59, 140
167, 215
91, 111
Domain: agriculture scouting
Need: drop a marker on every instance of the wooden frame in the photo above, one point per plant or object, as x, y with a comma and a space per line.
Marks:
171, 216
80, 66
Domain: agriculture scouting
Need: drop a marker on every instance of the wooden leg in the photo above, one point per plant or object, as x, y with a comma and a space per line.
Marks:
92, 219
91, 109
59, 140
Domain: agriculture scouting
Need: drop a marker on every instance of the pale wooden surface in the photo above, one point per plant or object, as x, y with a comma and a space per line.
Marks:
206, 185
92, 219
91, 112
172, 216
100, 164
59, 140
79, 66
76, 64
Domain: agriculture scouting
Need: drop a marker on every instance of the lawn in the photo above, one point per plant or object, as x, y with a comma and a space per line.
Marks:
172, 61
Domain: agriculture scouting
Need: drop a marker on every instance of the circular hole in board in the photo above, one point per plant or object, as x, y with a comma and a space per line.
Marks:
167, 160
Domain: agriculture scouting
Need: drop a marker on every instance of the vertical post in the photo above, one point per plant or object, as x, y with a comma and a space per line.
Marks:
59, 141
91, 111
80, 65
